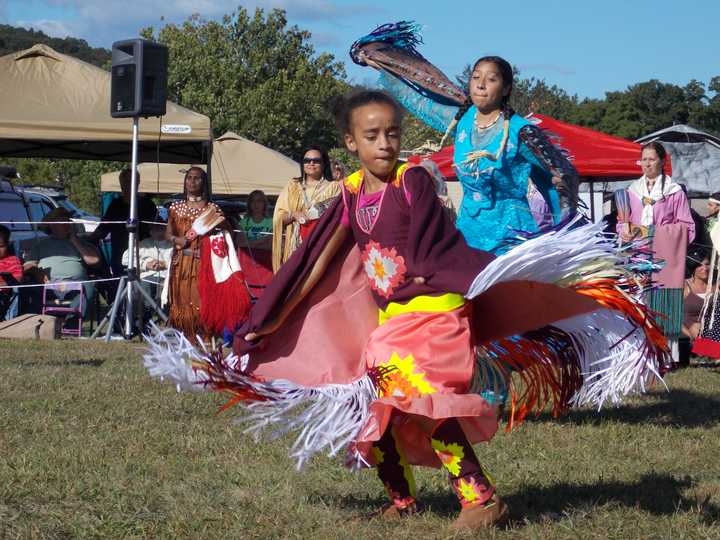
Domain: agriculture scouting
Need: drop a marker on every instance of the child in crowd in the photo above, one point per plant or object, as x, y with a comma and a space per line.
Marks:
11, 270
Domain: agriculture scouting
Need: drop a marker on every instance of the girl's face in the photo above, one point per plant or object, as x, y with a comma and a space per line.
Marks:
375, 137
257, 205
4, 247
651, 163
194, 182
702, 272
487, 88
313, 164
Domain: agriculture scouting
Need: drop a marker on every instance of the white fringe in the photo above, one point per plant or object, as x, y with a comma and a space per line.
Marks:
610, 348
169, 356
612, 355
561, 257
327, 417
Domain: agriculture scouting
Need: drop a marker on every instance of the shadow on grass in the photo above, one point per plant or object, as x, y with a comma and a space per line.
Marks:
679, 408
657, 494
92, 362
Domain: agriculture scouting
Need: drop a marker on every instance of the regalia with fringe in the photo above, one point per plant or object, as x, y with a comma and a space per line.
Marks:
555, 322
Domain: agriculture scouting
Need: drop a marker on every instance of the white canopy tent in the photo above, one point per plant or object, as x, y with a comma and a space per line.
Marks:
239, 166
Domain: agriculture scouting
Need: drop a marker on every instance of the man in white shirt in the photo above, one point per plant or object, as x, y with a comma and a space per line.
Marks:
155, 253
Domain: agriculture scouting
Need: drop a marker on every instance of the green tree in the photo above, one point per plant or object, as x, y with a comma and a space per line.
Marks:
256, 76
14, 39
79, 179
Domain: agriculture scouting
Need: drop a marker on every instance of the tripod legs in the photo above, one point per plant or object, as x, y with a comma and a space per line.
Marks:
126, 286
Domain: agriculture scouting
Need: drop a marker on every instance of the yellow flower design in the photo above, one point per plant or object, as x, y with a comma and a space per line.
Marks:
403, 381
469, 491
353, 181
450, 455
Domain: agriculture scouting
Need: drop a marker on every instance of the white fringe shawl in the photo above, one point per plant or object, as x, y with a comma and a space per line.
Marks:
328, 418
612, 350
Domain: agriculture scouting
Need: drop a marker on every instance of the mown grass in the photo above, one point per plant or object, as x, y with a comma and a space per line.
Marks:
91, 447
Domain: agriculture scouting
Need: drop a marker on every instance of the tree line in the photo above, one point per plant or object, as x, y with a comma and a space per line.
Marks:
254, 74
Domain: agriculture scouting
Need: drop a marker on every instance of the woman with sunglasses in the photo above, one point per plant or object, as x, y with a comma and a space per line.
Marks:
301, 203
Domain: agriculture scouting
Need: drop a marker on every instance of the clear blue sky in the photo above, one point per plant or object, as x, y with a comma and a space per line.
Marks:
587, 48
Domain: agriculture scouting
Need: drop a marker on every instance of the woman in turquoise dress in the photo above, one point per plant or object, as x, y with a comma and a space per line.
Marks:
496, 151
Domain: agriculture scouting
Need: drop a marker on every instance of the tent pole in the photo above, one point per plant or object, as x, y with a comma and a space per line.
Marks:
208, 166
592, 201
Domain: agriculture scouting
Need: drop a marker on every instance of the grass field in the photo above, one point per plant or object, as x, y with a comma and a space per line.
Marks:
91, 447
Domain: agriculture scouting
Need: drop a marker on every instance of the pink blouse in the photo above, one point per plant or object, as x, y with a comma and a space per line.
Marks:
668, 211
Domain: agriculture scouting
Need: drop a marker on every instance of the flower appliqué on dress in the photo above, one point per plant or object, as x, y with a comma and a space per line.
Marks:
218, 246
470, 491
384, 267
450, 455
404, 381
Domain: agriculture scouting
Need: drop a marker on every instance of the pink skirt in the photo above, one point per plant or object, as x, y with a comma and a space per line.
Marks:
432, 363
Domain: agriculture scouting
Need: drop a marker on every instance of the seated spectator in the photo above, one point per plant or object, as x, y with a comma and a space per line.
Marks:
10, 271
255, 244
697, 271
154, 257
62, 256
256, 226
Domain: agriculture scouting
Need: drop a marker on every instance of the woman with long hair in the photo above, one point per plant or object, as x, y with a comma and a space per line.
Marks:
184, 295
301, 203
656, 208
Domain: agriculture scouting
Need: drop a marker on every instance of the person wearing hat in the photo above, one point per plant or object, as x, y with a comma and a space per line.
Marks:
62, 256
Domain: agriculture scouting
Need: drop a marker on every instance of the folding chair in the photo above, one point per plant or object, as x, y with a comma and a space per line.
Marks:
60, 302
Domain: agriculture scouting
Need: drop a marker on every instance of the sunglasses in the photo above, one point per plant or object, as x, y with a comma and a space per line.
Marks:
313, 160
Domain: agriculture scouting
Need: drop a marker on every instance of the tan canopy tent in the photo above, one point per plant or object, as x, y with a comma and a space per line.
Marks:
54, 105
239, 166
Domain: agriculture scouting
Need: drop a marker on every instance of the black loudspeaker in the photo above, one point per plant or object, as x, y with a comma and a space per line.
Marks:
138, 84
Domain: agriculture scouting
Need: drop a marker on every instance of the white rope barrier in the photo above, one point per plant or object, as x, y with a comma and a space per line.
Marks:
57, 283
91, 222
78, 222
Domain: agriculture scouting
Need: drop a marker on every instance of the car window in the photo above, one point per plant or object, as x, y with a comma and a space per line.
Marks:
65, 202
13, 210
38, 208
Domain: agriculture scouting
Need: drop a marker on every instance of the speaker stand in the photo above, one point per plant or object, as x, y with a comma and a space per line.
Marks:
126, 289
125, 293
